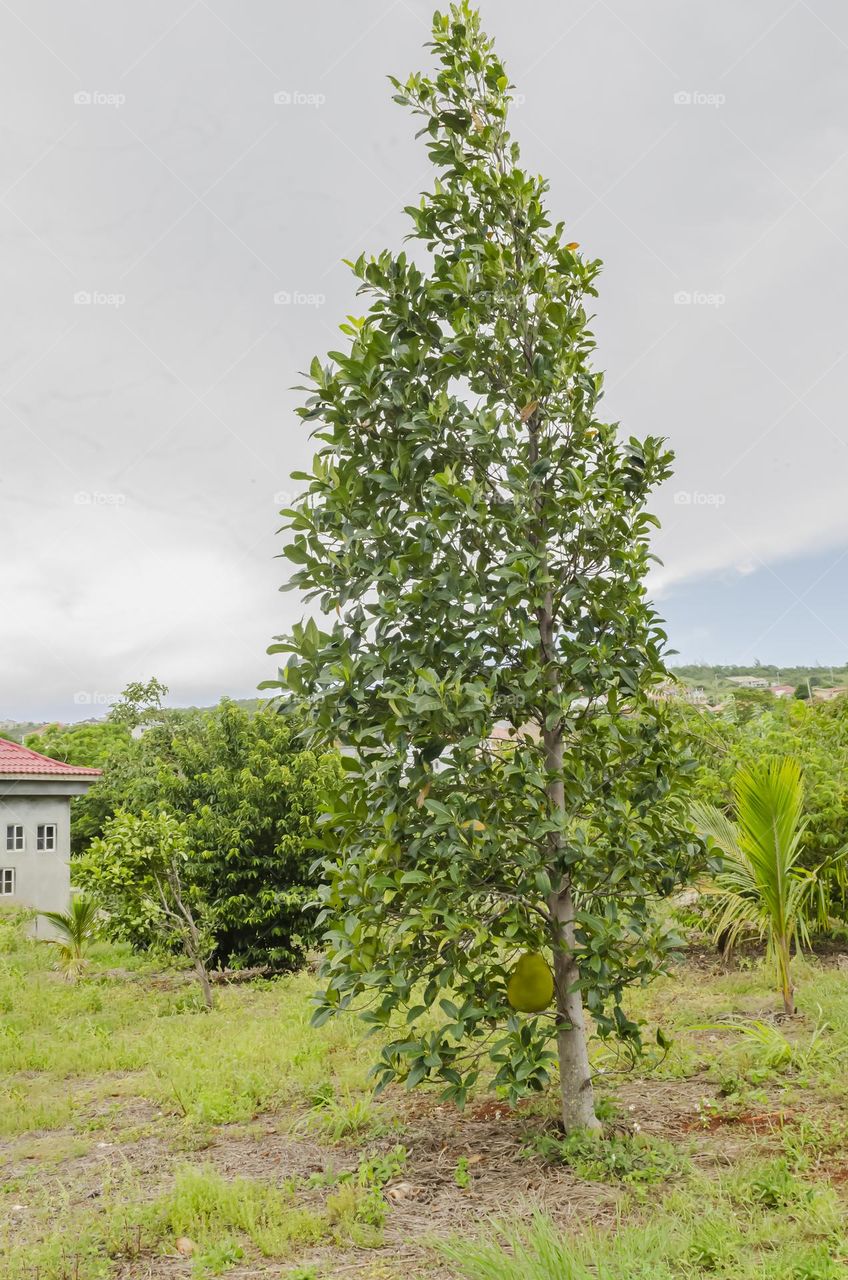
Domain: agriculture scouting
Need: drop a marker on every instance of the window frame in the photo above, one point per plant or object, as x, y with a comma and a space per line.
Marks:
15, 837
7, 874
45, 831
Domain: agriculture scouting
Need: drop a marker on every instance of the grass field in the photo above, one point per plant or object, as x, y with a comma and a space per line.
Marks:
144, 1138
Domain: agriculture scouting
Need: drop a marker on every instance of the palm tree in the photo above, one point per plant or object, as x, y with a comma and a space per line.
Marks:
761, 887
77, 929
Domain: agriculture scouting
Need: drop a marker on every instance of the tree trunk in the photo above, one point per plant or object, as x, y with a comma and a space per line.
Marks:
575, 1075
195, 953
205, 984
576, 1094
786, 987
194, 950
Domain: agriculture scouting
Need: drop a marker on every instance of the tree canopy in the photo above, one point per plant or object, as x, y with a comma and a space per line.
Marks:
248, 796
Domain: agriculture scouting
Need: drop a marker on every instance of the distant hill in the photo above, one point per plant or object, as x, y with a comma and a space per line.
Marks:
719, 679
16, 730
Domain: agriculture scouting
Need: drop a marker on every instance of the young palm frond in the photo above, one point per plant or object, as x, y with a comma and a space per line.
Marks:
77, 929
761, 887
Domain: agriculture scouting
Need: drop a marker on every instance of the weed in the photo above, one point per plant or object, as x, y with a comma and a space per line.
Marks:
321, 1095
808, 1142
462, 1173
356, 1215
607, 1108
203, 1205
632, 1159
191, 1137
345, 1119
217, 1258
376, 1171
814, 1262
711, 1245
772, 1185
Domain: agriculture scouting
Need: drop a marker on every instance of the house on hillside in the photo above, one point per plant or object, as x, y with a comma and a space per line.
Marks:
676, 690
35, 828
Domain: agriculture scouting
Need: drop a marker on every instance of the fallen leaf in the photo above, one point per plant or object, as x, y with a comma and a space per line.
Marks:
185, 1246
528, 409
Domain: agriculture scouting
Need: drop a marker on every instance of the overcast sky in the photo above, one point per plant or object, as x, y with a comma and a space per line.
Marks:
148, 433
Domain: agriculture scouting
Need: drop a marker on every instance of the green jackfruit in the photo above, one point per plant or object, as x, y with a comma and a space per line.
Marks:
531, 985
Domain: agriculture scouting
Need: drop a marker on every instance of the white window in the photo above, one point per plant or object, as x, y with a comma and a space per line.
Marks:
45, 837
7, 881
14, 838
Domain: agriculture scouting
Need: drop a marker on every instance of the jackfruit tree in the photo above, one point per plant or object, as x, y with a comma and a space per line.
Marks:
474, 539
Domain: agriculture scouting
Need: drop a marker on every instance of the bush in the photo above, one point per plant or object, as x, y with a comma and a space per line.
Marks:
248, 798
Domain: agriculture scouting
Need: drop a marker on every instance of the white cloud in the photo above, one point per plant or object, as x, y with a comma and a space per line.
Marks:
199, 200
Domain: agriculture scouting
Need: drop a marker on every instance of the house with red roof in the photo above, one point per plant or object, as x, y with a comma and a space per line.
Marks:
35, 828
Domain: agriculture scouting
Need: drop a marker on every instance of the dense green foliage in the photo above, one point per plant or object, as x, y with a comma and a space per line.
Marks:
477, 536
140, 873
249, 797
86, 744
816, 735
118, 871
95, 746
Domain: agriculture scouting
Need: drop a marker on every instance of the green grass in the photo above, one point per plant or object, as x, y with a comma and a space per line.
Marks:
266, 1054
203, 1206
130, 1119
762, 1223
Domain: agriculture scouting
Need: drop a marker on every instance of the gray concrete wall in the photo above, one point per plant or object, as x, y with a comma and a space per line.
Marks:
42, 880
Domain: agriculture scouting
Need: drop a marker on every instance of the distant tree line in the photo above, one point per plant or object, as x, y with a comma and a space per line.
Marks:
704, 674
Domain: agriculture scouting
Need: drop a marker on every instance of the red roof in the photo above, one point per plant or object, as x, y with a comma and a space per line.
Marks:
16, 759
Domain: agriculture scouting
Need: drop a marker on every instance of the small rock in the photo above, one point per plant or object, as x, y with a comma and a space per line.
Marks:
401, 1191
